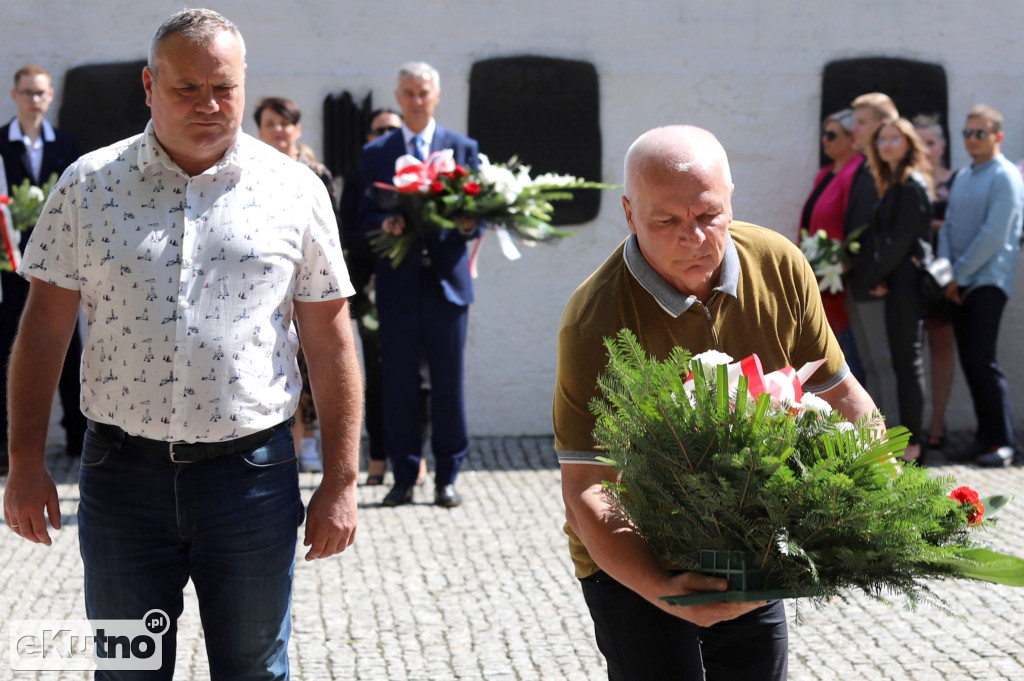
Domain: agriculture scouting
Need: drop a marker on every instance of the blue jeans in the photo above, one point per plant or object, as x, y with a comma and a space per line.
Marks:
147, 526
976, 326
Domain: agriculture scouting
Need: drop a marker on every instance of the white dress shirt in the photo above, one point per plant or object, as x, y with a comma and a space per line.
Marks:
33, 147
427, 135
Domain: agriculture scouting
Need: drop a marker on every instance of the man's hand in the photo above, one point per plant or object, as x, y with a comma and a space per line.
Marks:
331, 520
29, 490
880, 291
702, 615
952, 293
393, 224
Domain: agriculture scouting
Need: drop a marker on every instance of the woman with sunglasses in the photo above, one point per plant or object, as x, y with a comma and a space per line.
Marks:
901, 222
825, 209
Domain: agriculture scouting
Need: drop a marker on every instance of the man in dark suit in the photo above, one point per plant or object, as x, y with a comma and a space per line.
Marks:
32, 149
423, 303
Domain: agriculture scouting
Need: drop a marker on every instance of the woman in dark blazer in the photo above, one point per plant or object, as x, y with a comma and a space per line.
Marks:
886, 265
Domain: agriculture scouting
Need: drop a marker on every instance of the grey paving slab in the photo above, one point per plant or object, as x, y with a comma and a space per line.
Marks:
485, 591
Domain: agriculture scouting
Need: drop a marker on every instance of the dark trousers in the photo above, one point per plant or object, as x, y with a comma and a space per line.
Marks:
904, 328
364, 310
976, 326
15, 294
424, 324
641, 642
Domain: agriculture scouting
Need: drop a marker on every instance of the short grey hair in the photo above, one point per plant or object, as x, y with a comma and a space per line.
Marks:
843, 117
199, 26
420, 70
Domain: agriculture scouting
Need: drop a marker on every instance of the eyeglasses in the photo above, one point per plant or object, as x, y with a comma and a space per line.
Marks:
980, 134
829, 135
381, 131
882, 141
33, 94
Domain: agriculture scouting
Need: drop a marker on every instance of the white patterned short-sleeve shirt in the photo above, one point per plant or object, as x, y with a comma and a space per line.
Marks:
188, 282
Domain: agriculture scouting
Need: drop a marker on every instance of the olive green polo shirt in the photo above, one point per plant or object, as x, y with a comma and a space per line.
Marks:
767, 302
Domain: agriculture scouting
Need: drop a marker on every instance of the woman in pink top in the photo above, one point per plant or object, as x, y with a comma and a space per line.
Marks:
825, 209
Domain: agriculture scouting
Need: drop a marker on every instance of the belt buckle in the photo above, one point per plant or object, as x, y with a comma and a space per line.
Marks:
171, 447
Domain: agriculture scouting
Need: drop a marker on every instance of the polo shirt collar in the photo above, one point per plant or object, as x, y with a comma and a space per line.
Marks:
666, 295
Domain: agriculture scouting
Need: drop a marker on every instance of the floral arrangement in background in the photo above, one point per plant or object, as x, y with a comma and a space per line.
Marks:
432, 194
719, 456
24, 206
829, 257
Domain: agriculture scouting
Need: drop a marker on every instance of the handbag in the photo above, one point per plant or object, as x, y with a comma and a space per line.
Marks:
936, 274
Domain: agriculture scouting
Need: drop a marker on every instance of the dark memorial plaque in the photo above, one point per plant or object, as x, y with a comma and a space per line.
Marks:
103, 103
345, 123
915, 87
545, 112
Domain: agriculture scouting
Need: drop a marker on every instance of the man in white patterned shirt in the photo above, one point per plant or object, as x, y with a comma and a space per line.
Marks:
189, 246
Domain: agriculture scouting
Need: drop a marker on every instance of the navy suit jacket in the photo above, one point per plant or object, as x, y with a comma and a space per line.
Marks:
57, 156
449, 257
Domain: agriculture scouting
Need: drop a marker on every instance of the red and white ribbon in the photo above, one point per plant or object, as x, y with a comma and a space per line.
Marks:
784, 385
414, 175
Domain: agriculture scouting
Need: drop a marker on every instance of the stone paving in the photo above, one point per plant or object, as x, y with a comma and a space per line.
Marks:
485, 591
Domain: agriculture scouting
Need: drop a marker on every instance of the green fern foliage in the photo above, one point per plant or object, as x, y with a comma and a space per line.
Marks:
821, 504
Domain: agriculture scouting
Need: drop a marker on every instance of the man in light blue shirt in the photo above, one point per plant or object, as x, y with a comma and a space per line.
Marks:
981, 237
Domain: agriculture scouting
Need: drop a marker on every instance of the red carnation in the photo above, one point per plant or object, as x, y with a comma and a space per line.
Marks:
436, 187
969, 498
460, 172
471, 188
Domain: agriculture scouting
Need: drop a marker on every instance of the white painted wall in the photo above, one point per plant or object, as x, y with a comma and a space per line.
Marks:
750, 71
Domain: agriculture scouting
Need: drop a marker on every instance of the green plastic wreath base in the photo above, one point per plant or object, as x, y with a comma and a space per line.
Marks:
746, 582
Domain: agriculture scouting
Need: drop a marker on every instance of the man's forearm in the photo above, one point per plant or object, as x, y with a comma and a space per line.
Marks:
336, 382
850, 399
612, 542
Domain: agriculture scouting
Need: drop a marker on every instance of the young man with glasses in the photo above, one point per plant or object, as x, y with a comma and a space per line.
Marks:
30, 146
981, 237
33, 149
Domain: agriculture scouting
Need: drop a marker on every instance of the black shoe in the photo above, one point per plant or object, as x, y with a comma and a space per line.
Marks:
997, 457
975, 450
400, 494
447, 496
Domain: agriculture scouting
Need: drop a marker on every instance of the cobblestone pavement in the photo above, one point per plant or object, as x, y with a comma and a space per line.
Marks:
485, 591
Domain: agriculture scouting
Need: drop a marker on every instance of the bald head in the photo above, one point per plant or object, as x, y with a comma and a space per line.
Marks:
678, 204
673, 149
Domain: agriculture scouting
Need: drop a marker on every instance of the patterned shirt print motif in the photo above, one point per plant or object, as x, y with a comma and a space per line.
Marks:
187, 283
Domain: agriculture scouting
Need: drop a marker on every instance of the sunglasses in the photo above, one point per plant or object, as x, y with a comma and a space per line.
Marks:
380, 132
829, 135
980, 134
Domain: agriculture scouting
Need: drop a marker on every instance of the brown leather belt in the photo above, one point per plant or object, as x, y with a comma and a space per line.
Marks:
181, 451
